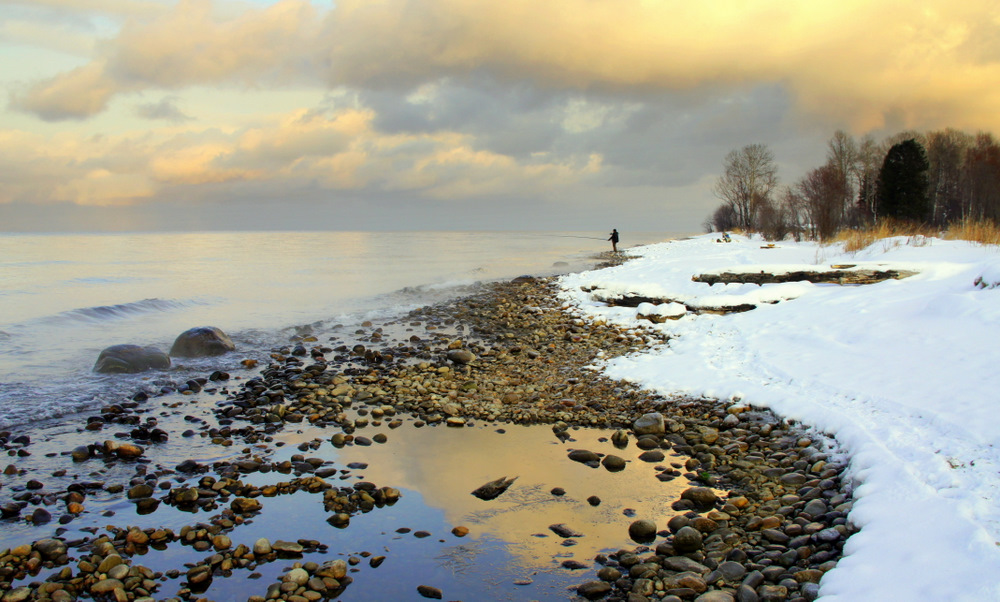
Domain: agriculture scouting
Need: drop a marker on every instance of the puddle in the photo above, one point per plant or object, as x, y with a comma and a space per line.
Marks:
509, 553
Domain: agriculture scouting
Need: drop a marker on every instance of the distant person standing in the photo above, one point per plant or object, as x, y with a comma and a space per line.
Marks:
614, 240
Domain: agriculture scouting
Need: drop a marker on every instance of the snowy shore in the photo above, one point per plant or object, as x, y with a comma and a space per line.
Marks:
902, 373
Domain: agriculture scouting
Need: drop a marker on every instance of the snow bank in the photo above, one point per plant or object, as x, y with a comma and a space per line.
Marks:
902, 373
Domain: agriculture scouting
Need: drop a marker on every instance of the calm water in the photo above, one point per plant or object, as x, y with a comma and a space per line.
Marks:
64, 298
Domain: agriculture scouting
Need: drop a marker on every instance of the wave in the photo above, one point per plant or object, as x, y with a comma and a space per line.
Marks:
103, 313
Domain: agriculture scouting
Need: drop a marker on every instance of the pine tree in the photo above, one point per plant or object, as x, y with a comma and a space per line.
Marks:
902, 183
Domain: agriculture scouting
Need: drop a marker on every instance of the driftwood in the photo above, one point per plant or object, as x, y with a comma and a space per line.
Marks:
636, 300
834, 276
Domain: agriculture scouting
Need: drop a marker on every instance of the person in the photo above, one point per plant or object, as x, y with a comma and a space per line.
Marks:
614, 240
725, 237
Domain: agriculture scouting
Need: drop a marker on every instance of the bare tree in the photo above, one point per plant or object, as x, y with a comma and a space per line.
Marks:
982, 189
869, 161
749, 175
722, 219
946, 153
822, 189
781, 216
843, 155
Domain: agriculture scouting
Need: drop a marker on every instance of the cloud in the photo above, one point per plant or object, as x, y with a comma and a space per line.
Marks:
165, 110
77, 94
850, 62
323, 148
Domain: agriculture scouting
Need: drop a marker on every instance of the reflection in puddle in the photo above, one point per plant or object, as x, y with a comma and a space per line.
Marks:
509, 553
509, 539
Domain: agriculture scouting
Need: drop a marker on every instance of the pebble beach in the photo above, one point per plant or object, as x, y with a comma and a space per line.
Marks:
761, 514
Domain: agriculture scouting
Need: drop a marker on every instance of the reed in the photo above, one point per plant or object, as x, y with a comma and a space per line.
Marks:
855, 240
984, 232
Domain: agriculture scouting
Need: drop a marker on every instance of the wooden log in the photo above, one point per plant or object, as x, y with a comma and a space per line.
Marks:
836, 276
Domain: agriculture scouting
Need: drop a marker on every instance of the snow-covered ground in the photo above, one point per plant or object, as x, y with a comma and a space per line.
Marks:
905, 374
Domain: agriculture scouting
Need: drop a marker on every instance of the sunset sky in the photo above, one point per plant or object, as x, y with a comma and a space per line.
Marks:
454, 114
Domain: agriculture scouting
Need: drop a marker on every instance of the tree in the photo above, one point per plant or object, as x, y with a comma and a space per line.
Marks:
749, 175
946, 154
842, 157
902, 183
721, 220
781, 216
823, 193
982, 178
870, 157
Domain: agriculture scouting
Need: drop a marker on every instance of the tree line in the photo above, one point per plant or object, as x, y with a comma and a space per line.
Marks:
938, 178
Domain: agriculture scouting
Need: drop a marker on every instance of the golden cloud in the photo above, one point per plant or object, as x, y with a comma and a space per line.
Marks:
853, 61
332, 149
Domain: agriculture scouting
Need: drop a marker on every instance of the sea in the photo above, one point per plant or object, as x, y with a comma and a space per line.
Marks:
65, 297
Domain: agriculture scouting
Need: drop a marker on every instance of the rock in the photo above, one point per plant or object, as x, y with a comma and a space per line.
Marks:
715, 596
189, 466
287, 547
50, 548
146, 505
650, 424
642, 531
687, 539
732, 572
809, 591
493, 489
136, 537
745, 593
262, 547
203, 341
130, 359
40, 516
613, 463
80, 453
619, 439
683, 563
128, 451
106, 586
585, 456
593, 590
18, 595
245, 505
429, 592
702, 497
772, 593
110, 561
297, 576
815, 508
140, 491
653, 455
563, 531
461, 356
184, 495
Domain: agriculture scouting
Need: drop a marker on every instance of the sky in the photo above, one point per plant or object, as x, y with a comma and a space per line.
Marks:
128, 115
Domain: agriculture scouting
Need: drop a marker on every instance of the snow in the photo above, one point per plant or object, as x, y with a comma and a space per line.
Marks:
902, 373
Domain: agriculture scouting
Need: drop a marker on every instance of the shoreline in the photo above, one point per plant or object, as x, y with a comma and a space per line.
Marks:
529, 365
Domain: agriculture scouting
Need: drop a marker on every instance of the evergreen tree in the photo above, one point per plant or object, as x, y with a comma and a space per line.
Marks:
902, 183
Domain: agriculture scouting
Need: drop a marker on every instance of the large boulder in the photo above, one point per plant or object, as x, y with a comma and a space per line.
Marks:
129, 359
203, 341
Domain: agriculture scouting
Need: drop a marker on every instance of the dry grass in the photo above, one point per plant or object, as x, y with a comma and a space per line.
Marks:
856, 240
983, 232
